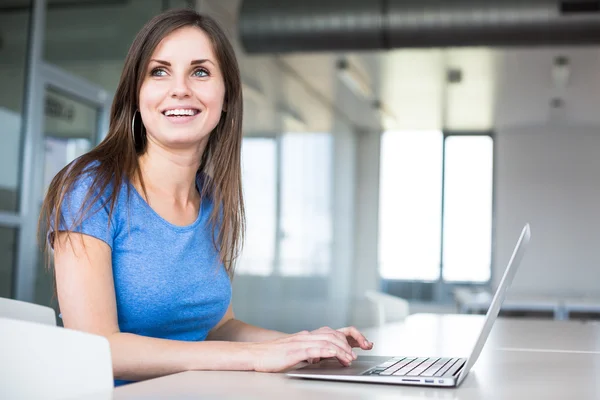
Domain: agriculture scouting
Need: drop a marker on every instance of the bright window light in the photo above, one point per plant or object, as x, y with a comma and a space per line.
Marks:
306, 217
468, 208
410, 205
259, 185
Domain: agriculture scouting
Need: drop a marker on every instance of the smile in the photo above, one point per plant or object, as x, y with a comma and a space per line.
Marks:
181, 112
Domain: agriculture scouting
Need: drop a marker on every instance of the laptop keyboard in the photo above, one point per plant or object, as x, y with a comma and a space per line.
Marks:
413, 366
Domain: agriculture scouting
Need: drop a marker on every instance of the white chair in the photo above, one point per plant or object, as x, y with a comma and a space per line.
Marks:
25, 311
388, 308
48, 362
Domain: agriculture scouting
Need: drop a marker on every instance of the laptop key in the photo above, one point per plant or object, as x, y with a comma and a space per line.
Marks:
446, 367
456, 367
390, 362
409, 367
423, 366
396, 367
439, 364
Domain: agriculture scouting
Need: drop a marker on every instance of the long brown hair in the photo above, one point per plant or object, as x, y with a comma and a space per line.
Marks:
115, 159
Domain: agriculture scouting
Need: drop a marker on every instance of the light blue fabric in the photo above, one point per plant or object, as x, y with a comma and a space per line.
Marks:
168, 280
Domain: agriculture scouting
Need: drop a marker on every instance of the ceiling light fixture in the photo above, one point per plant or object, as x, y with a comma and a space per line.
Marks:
355, 81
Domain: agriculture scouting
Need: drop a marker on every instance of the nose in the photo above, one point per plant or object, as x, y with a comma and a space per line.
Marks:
180, 88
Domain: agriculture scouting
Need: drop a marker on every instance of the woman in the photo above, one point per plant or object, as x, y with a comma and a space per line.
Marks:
151, 220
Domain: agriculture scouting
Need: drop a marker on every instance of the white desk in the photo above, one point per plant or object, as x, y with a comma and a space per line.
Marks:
560, 306
420, 333
567, 368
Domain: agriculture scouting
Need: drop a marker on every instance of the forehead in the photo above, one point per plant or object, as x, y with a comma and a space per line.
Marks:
185, 43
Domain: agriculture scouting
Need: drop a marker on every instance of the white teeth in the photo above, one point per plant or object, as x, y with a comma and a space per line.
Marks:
180, 111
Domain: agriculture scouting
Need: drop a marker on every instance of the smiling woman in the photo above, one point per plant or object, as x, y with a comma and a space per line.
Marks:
146, 227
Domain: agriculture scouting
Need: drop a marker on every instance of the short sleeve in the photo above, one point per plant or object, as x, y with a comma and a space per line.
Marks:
95, 221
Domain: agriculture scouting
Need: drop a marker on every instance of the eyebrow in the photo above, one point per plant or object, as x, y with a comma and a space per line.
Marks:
194, 62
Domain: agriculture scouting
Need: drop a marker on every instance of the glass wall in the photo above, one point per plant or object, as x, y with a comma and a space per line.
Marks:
14, 33
91, 39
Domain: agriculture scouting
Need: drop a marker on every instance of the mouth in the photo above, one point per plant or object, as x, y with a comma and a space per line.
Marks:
181, 112
181, 115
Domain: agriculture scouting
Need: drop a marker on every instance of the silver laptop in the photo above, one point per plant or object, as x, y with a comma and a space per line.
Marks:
424, 371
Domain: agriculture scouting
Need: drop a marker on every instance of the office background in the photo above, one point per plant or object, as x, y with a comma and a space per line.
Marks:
410, 170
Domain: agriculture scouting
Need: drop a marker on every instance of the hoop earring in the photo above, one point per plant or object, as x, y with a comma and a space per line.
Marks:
133, 127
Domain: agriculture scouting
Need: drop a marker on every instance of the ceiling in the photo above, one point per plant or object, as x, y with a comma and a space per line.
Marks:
496, 86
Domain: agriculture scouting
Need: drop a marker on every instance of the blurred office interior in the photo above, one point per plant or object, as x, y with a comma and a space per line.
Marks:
396, 150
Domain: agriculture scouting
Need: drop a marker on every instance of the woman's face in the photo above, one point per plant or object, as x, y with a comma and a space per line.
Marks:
182, 94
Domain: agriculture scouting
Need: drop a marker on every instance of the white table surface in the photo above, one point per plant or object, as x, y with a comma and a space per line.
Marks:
524, 359
455, 334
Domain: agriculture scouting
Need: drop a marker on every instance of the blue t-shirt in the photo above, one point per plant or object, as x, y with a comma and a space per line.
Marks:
169, 282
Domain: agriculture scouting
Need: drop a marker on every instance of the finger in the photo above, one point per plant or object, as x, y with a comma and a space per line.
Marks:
314, 352
333, 350
356, 338
335, 339
329, 330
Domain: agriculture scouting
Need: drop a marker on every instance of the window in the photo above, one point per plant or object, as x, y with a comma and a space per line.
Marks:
306, 225
423, 233
303, 219
468, 180
259, 184
410, 205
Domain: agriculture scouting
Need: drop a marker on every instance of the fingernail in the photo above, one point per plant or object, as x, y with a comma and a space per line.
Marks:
332, 351
354, 355
349, 357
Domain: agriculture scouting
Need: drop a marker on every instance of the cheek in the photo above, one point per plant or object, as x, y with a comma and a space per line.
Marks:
150, 96
212, 96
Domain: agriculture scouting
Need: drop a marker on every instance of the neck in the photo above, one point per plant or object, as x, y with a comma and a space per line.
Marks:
171, 173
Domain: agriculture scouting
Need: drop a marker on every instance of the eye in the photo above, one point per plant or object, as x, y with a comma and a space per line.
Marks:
201, 73
158, 72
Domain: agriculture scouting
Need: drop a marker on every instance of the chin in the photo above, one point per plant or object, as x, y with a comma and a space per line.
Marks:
186, 141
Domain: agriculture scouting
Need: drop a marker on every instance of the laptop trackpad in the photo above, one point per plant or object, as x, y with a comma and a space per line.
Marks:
332, 366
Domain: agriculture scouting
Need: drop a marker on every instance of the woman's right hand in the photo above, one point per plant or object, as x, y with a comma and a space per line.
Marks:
281, 354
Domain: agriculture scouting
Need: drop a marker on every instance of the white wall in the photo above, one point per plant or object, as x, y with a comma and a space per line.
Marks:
550, 176
548, 169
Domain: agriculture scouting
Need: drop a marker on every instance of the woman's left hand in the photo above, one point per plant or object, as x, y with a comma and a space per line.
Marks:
350, 334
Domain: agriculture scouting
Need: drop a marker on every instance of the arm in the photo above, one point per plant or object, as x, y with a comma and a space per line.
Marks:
86, 295
87, 301
231, 329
